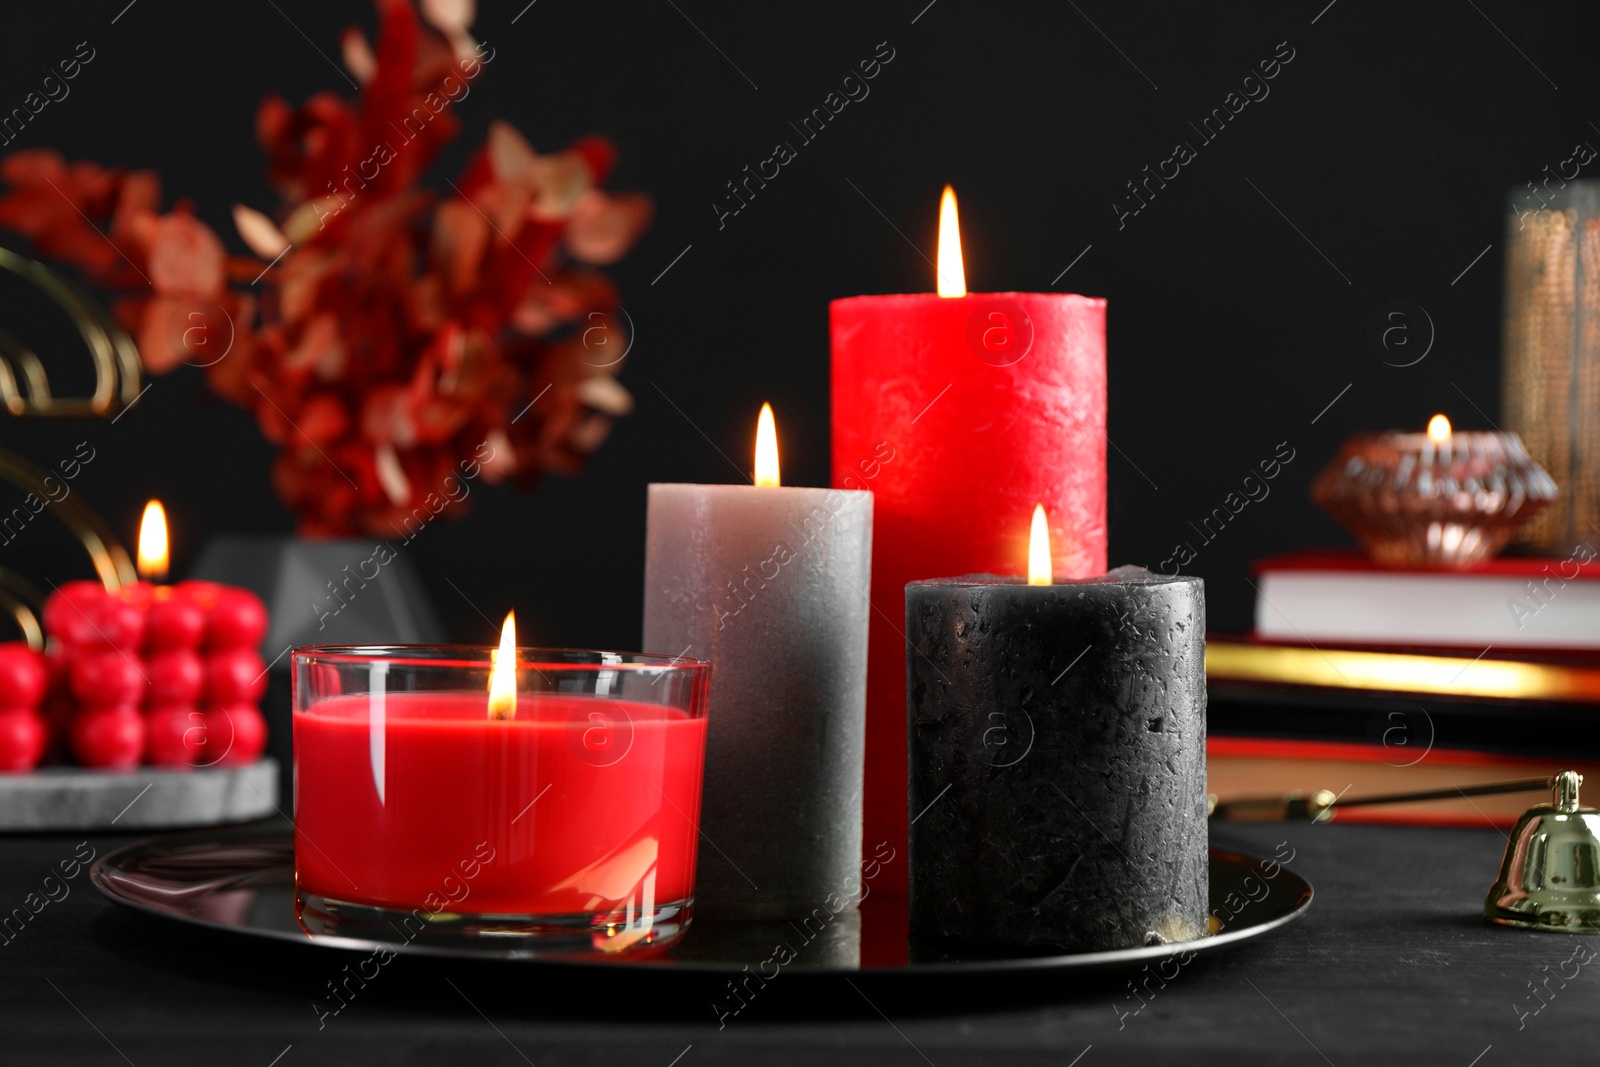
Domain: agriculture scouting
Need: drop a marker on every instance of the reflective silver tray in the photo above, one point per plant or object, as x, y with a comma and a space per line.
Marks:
241, 880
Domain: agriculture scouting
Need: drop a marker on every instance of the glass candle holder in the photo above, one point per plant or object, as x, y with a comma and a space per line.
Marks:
571, 820
1413, 501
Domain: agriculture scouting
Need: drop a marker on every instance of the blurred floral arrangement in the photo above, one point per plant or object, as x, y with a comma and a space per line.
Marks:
388, 338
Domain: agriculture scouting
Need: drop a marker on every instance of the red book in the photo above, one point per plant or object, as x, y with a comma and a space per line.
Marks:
1329, 596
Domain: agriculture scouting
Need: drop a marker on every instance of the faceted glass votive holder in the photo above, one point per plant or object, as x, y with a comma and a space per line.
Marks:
572, 823
1415, 502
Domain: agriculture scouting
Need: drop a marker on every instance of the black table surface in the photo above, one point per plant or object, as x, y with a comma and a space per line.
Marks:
1391, 964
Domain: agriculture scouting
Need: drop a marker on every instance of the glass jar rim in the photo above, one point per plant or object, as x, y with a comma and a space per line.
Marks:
478, 657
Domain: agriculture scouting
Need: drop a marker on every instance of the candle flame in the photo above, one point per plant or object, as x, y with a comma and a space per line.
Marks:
952, 272
1439, 429
153, 542
503, 672
766, 448
1039, 549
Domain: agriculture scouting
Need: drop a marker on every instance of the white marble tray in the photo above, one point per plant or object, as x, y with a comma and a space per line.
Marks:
77, 798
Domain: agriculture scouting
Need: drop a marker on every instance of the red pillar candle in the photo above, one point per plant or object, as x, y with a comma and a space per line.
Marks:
961, 412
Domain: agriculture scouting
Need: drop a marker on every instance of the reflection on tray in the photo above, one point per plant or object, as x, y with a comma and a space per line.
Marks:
242, 879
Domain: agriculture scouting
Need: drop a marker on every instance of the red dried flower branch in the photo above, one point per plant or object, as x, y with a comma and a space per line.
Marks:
386, 337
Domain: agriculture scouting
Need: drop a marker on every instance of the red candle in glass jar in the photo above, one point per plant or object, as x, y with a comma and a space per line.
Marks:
451, 784
961, 411
568, 814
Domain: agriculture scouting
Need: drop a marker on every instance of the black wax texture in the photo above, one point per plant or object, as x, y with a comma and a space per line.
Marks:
1057, 761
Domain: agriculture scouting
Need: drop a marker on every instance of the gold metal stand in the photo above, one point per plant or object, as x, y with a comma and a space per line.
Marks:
25, 393
116, 358
112, 564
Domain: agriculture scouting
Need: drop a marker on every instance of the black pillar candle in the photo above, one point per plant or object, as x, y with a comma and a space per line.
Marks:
1058, 772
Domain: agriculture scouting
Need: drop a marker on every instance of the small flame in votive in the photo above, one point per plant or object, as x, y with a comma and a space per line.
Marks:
1039, 567
503, 673
1439, 429
952, 272
153, 542
767, 448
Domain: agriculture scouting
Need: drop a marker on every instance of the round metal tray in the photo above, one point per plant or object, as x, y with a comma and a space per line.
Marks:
241, 880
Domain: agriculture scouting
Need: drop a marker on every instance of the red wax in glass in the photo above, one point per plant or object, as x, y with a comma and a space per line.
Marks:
581, 811
961, 414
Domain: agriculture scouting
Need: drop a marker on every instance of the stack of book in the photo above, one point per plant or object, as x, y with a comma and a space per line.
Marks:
1364, 680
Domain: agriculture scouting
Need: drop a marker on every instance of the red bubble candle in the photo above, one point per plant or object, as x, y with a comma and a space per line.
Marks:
562, 807
24, 676
157, 674
961, 411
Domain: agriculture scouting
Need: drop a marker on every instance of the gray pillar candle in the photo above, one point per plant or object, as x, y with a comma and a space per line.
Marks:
1057, 757
770, 584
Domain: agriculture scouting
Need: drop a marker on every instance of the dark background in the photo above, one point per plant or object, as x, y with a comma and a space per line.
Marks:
1390, 141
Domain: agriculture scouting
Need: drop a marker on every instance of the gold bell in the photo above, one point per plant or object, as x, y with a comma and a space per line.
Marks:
1550, 876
